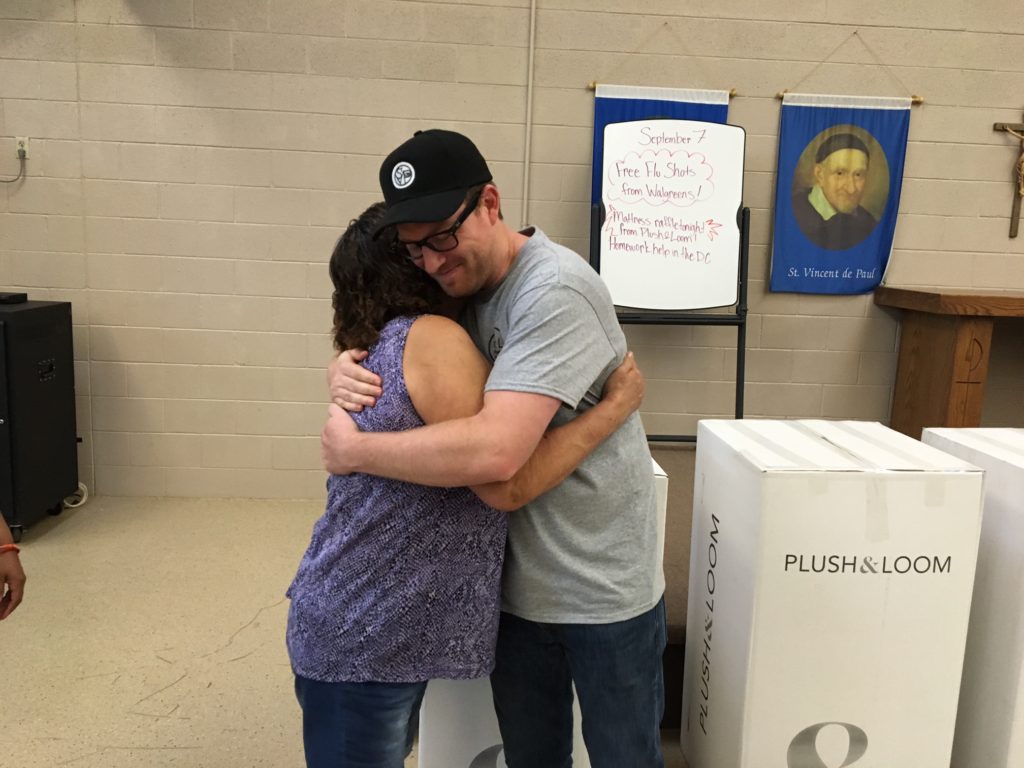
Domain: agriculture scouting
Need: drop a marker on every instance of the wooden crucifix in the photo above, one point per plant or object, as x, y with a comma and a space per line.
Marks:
1017, 131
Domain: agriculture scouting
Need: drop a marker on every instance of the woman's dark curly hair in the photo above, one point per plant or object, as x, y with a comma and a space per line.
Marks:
374, 282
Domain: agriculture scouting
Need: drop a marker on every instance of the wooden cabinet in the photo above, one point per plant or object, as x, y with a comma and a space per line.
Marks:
945, 345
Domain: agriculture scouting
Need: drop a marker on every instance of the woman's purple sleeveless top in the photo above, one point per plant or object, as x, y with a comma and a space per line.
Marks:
400, 582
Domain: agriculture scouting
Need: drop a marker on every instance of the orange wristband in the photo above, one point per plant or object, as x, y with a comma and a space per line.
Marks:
9, 548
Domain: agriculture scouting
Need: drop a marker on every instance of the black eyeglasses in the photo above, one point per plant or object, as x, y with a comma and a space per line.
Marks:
442, 241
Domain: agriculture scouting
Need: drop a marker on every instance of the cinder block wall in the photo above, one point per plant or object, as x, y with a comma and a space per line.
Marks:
193, 161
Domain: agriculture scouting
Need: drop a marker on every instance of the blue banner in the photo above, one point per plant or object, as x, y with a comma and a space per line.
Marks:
619, 103
839, 178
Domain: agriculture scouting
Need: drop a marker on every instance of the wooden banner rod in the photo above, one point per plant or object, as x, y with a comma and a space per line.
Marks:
915, 100
592, 86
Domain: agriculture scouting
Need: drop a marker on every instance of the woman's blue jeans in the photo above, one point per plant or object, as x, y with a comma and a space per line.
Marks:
617, 670
358, 725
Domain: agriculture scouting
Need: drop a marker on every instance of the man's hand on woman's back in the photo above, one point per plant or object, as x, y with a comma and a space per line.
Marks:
350, 385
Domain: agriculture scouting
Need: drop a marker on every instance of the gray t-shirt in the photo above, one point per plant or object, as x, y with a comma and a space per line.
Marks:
584, 552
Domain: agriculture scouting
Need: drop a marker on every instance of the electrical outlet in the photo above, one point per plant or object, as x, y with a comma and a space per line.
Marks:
21, 146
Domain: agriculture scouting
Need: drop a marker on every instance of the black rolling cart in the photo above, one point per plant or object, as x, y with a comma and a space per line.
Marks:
38, 439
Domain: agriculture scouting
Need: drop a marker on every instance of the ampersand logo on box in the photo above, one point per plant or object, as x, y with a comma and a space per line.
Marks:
803, 750
488, 758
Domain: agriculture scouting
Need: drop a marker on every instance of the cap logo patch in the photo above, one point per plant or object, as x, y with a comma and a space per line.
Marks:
402, 175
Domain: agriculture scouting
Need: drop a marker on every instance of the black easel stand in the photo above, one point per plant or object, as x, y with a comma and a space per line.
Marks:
737, 318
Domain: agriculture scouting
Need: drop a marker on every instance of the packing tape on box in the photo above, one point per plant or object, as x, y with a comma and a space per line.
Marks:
1005, 444
817, 483
815, 432
1011, 440
783, 456
934, 490
876, 513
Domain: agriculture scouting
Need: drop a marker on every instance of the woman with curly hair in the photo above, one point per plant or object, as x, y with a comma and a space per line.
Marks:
400, 583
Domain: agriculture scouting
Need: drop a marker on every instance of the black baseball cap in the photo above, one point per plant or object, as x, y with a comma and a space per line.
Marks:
427, 177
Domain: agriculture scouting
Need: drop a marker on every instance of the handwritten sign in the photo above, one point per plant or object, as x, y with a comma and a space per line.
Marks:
672, 193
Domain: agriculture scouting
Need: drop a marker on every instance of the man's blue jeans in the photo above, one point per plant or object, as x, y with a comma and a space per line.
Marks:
358, 725
617, 670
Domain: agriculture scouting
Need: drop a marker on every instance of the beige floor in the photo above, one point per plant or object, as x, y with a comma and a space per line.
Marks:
152, 635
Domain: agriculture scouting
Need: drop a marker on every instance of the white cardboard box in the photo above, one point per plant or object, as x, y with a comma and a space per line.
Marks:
458, 728
830, 586
990, 721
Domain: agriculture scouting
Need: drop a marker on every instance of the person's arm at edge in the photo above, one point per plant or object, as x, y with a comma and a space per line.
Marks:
445, 376
11, 574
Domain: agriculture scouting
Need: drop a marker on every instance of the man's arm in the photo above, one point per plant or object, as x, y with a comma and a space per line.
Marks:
445, 376
562, 449
489, 446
